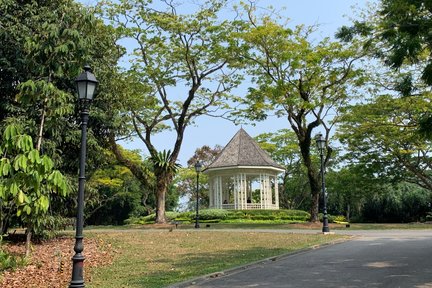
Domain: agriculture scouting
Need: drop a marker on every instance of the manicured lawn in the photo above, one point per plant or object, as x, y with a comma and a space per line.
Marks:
306, 226
157, 258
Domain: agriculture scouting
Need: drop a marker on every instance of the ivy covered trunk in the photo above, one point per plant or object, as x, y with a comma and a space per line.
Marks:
313, 178
161, 190
162, 182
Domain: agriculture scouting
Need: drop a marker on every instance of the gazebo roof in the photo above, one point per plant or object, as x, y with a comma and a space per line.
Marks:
242, 150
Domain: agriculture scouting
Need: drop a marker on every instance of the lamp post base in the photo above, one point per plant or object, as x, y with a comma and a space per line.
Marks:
325, 228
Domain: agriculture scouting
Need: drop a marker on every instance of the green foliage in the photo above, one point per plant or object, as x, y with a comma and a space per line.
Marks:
299, 79
115, 194
163, 164
8, 261
183, 67
213, 214
185, 180
333, 218
382, 136
339, 219
49, 226
43, 50
230, 216
399, 204
396, 31
283, 147
26, 178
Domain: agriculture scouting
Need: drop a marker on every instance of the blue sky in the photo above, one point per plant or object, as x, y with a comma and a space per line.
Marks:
328, 14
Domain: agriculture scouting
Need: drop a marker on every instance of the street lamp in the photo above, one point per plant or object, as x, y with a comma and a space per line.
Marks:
86, 85
198, 167
321, 144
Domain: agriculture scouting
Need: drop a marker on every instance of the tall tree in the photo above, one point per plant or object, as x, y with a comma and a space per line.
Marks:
183, 66
44, 46
398, 33
399, 30
41, 55
302, 81
350, 187
382, 136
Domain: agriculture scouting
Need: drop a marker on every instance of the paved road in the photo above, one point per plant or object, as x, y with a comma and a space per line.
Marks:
374, 259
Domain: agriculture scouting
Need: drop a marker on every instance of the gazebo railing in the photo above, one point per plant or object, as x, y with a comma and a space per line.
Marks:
250, 206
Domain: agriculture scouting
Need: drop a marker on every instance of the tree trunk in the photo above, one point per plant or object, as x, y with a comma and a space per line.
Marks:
312, 177
348, 213
162, 182
28, 241
315, 193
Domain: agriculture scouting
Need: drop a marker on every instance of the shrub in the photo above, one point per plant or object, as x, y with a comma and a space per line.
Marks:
428, 216
229, 216
8, 261
279, 216
50, 225
339, 218
212, 214
171, 215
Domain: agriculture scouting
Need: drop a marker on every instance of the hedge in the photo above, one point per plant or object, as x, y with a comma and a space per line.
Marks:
230, 216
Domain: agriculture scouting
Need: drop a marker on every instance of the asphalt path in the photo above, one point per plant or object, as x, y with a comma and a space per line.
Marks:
390, 258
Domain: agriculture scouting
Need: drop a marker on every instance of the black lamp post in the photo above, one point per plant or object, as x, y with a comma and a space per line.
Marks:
86, 85
321, 144
198, 167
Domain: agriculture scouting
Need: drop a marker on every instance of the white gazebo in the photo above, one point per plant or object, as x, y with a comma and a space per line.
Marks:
243, 176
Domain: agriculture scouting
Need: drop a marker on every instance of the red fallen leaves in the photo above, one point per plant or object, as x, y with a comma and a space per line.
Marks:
50, 263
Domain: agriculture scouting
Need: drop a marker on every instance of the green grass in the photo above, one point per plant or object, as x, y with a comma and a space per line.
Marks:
157, 258
307, 226
387, 226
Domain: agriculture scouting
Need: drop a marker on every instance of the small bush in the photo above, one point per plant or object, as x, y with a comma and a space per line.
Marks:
339, 219
333, 218
8, 261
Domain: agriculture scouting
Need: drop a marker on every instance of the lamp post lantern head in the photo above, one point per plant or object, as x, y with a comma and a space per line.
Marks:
321, 142
86, 85
198, 167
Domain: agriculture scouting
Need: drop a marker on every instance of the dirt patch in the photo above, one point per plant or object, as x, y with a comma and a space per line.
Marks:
50, 264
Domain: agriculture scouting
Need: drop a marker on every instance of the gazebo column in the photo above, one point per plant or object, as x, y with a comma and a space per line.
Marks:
244, 190
233, 189
240, 191
220, 189
212, 193
215, 192
249, 185
261, 191
236, 193
276, 189
267, 199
